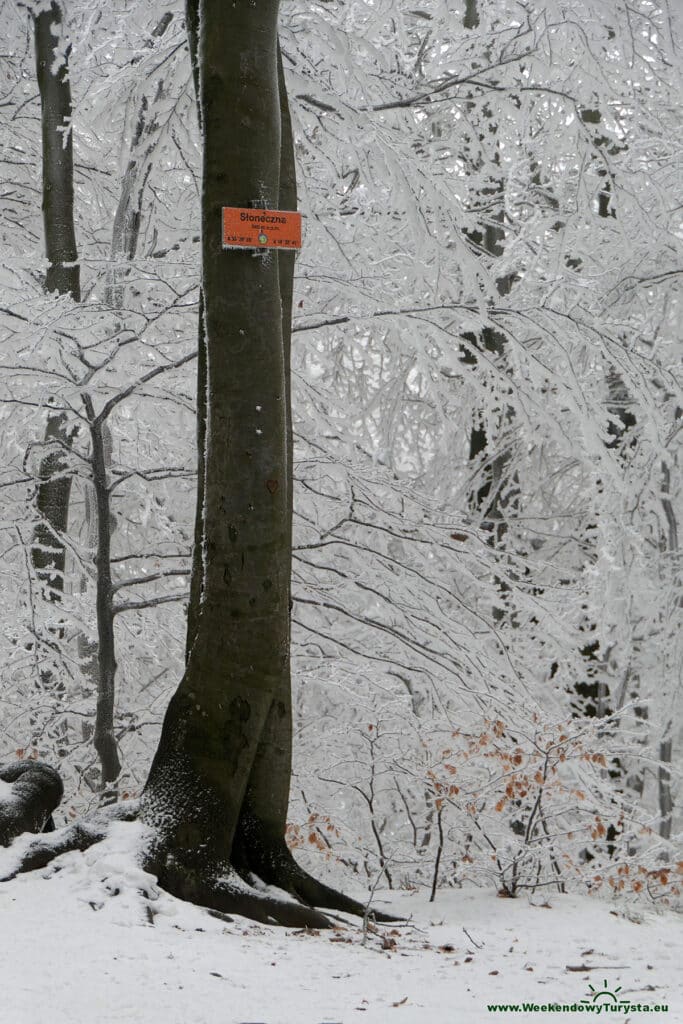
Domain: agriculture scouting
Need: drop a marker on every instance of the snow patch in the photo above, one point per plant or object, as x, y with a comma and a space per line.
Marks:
68, 961
6, 792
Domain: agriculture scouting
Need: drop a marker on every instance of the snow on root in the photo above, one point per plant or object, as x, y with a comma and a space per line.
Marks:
109, 875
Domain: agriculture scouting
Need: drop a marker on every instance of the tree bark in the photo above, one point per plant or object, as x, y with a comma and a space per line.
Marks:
63, 272
104, 739
263, 817
240, 648
197, 576
259, 845
62, 276
128, 216
218, 788
48, 552
664, 788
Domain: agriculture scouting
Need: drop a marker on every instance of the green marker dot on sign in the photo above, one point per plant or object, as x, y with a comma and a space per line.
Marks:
263, 238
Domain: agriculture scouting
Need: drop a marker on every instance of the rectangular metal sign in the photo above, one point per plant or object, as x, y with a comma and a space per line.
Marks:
260, 229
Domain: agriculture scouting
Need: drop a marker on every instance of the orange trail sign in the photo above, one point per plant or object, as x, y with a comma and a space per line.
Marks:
260, 229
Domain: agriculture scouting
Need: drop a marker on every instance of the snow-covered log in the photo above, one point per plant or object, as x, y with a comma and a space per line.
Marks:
29, 793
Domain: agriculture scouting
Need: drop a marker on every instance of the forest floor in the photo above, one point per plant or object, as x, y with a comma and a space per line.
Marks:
81, 945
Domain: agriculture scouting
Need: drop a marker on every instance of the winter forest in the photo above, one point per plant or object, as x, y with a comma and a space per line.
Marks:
485, 435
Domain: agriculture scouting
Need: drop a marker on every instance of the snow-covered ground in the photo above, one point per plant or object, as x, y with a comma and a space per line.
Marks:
72, 952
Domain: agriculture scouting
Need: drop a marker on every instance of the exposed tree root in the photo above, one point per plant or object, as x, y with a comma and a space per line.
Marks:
229, 894
38, 853
35, 853
274, 863
234, 888
226, 891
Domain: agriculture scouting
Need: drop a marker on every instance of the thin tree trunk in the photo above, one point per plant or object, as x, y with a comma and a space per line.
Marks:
48, 551
666, 800
63, 276
104, 739
664, 787
100, 657
496, 485
128, 215
63, 272
471, 18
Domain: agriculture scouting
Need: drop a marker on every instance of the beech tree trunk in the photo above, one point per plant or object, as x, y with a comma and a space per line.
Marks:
239, 650
62, 276
218, 788
104, 738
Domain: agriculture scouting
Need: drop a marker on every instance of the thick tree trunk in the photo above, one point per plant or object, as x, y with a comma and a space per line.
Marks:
218, 788
239, 652
263, 816
259, 845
